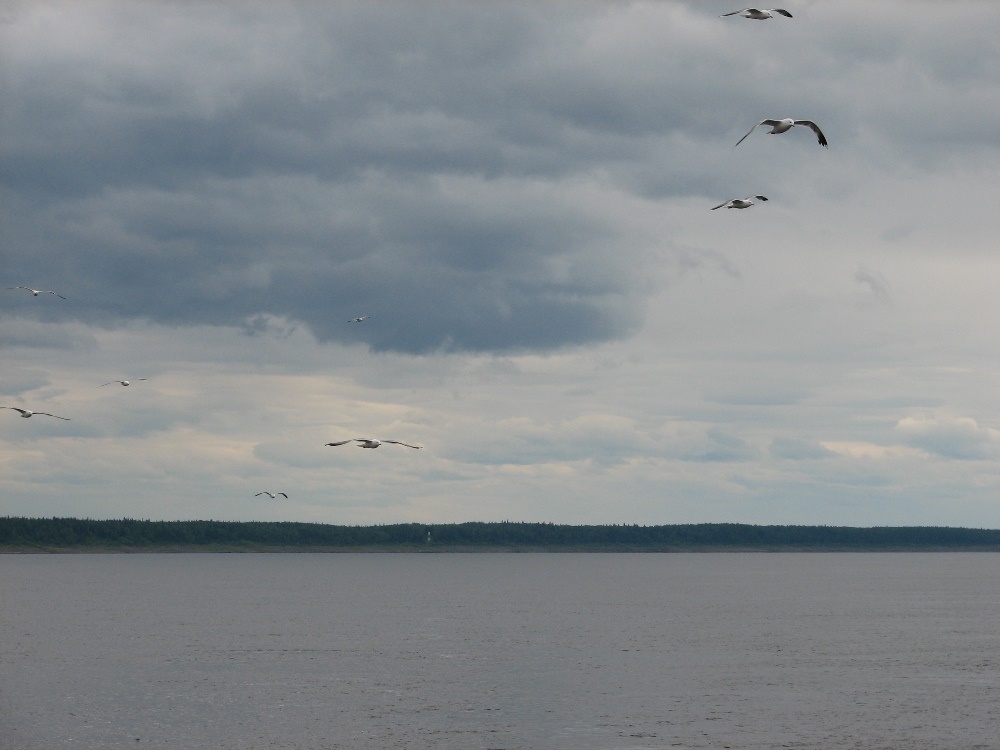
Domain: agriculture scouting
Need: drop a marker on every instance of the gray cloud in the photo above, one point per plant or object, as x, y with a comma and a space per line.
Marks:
724, 447
27, 333
202, 172
799, 450
877, 284
950, 437
518, 195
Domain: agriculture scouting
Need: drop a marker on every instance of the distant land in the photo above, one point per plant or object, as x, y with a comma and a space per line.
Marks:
27, 535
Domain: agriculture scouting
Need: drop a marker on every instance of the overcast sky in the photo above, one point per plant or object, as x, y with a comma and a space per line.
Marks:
518, 194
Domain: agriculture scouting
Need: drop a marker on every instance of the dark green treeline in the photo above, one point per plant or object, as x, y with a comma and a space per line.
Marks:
53, 534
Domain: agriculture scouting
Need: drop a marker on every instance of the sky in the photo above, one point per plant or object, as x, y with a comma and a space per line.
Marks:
518, 194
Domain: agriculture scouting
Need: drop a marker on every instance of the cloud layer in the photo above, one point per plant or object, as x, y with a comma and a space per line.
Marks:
518, 196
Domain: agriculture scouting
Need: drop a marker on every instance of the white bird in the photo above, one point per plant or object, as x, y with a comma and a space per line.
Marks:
741, 202
358, 320
784, 125
123, 382
758, 15
271, 495
372, 443
29, 413
36, 292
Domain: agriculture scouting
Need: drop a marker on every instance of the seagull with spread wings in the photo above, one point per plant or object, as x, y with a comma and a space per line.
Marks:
757, 14
741, 202
359, 319
786, 124
372, 443
29, 413
123, 382
271, 495
36, 292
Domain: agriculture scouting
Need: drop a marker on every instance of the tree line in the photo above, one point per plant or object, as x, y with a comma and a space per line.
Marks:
53, 534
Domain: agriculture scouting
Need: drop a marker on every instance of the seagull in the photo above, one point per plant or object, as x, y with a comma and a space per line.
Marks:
372, 443
36, 292
271, 495
358, 320
758, 15
741, 202
780, 126
29, 413
129, 382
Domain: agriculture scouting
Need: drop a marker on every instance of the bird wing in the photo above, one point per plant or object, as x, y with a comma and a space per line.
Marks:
23, 411
49, 291
46, 414
283, 495
782, 11
761, 197
741, 10
772, 123
815, 128
721, 205
396, 442
342, 442
111, 383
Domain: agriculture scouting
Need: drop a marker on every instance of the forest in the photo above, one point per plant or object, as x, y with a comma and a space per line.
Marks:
19, 534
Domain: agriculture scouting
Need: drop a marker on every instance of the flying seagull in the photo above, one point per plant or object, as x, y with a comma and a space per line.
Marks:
781, 126
36, 292
372, 443
29, 413
129, 382
271, 495
741, 202
758, 15
358, 320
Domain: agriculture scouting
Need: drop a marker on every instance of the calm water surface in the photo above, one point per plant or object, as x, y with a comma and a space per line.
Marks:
546, 651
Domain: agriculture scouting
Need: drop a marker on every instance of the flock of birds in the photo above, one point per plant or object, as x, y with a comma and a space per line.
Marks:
777, 126
362, 442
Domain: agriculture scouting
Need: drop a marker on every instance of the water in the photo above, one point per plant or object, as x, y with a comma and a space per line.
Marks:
546, 651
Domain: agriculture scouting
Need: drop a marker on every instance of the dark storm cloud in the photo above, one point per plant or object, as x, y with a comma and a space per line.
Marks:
221, 162
189, 191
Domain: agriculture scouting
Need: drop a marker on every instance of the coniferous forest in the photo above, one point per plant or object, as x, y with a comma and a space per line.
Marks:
127, 534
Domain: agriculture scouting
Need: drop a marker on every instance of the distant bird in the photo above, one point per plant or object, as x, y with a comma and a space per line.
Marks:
758, 15
28, 413
36, 292
129, 382
781, 126
372, 443
358, 320
271, 495
741, 202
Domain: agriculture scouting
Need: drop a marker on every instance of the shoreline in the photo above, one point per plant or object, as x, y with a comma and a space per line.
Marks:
463, 549
132, 536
